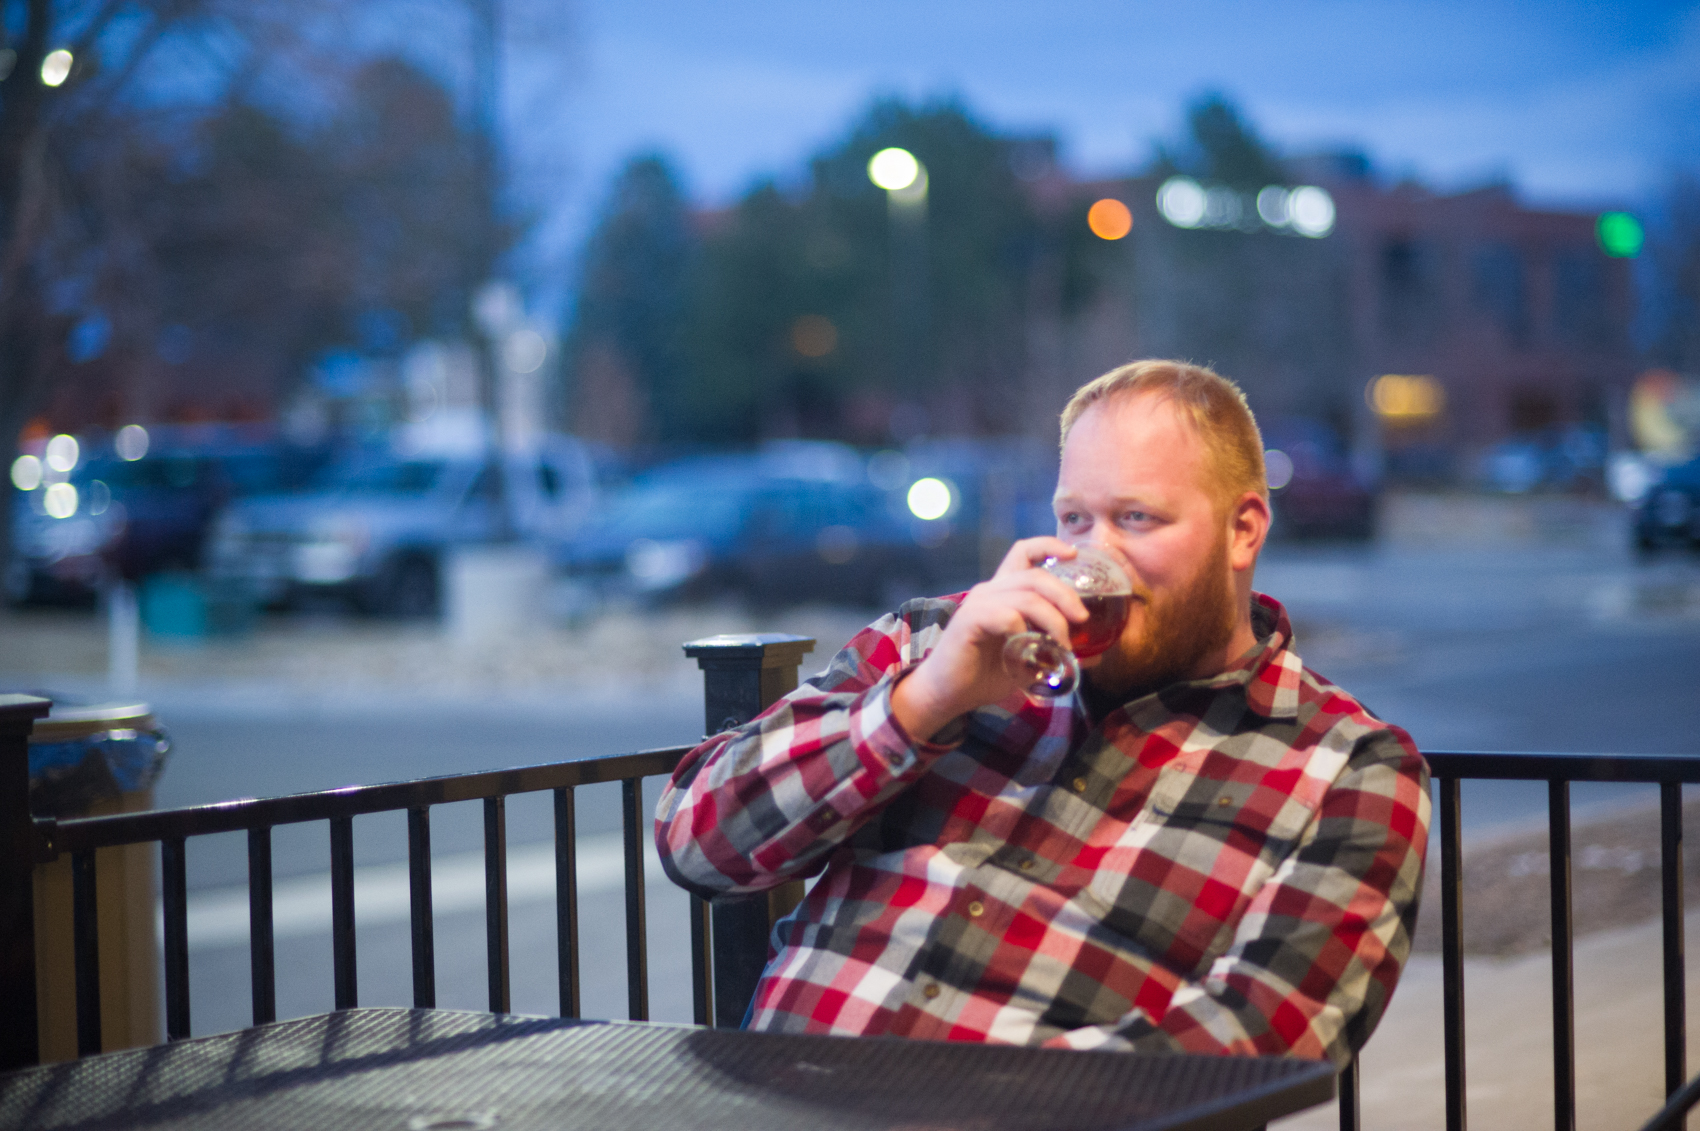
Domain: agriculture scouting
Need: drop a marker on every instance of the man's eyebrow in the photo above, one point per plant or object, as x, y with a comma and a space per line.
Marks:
1061, 498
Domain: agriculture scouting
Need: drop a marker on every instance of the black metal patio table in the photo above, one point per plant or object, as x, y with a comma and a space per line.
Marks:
424, 1069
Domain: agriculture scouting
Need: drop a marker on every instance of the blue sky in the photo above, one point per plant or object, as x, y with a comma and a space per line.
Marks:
1583, 104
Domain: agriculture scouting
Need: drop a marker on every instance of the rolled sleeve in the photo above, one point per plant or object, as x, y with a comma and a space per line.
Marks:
768, 802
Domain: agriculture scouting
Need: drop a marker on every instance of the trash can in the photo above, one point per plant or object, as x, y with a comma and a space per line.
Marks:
92, 760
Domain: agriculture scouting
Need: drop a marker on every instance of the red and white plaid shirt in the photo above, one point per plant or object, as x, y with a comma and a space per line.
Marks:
1227, 865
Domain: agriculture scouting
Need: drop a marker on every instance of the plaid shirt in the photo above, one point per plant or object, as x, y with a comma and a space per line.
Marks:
1227, 865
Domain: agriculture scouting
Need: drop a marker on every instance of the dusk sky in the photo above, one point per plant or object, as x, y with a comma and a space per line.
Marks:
1574, 103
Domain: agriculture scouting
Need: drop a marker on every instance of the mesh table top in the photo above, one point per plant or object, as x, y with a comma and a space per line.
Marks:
425, 1070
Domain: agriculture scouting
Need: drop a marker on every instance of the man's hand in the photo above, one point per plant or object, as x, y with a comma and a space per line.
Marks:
966, 670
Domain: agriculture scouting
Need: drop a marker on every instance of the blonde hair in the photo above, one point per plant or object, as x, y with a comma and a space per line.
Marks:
1213, 404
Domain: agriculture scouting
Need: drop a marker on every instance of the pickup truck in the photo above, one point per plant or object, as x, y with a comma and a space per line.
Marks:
374, 528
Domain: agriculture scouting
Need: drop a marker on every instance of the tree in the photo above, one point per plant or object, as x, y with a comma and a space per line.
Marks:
626, 346
60, 136
804, 301
1220, 146
169, 244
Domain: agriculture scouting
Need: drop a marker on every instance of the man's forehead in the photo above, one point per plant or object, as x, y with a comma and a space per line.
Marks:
1133, 448
1134, 428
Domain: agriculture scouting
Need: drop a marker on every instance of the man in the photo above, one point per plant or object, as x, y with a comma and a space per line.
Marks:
1208, 848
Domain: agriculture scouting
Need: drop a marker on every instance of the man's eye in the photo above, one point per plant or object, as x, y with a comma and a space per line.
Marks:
1135, 517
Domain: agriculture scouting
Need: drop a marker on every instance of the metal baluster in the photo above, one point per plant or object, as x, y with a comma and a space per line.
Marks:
1563, 974
419, 908
1349, 1119
702, 968
566, 899
1452, 950
174, 895
1670, 883
262, 955
496, 900
637, 949
85, 948
19, 841
342, 913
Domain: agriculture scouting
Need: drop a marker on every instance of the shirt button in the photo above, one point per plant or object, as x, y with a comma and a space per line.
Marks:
1224, 801
1026, 864
976, 909
930, 991
894, 759
1080, 785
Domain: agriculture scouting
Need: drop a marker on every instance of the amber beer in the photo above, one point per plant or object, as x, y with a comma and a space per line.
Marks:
1106, 617
1046, 667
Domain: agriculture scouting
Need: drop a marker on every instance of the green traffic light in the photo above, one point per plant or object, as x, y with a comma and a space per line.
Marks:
1620, 234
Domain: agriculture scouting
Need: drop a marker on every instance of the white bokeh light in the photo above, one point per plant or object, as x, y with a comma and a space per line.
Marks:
131, 443
1272, 206
63, 452
1181, 200
61, 500
931, 498
524, 351
893, 169
56, 68
1277, 468
1311, 210
26, 473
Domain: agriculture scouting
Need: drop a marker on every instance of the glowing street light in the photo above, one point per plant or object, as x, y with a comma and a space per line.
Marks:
1310, 211
894, 169
1109, 219
931, 499
1181, 201
56, 68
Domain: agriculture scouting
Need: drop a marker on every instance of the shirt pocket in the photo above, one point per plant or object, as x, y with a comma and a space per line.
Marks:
1180, 876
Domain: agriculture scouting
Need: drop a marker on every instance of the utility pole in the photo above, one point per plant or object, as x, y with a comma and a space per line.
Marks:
494, 310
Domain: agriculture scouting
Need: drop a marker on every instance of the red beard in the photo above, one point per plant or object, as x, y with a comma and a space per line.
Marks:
1177, 633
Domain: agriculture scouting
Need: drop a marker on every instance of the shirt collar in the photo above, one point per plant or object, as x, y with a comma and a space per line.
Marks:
1270, 670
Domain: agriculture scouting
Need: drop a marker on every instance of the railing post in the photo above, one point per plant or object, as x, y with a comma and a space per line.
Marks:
742, 677
18, 1037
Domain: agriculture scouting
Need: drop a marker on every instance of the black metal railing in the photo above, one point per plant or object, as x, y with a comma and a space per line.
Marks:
742, 675
1449, 769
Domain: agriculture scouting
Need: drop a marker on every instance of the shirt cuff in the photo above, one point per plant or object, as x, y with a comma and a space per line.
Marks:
882, 742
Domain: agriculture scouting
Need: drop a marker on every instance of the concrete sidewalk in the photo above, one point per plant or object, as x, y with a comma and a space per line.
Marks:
1508, 1041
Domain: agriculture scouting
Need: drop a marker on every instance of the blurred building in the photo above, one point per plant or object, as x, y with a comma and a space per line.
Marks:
1493, 319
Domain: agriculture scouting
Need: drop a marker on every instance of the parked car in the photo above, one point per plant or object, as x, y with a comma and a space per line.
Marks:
1669, 513
1314, 490
1556, 459
373, 528
799, 523
136, 517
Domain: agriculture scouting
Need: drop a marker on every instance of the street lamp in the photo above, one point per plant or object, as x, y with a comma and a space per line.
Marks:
904, 179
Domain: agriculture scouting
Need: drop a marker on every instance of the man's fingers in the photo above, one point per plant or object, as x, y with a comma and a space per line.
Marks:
1030, 552
1040, 614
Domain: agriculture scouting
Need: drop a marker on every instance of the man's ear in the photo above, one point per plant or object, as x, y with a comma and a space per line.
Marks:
1248, 526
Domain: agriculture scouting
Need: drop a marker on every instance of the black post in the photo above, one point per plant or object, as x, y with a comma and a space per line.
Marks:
18, 1047
742, 677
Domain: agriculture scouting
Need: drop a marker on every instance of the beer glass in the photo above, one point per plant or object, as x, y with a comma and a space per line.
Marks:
1048, 667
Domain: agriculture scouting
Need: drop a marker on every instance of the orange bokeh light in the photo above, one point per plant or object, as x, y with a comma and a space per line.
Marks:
1109, 219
